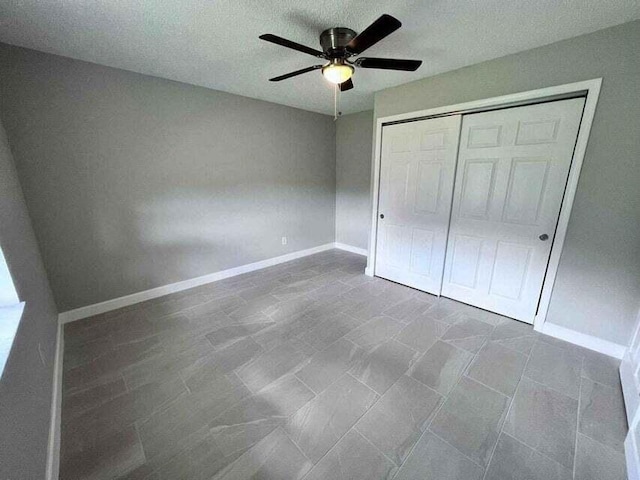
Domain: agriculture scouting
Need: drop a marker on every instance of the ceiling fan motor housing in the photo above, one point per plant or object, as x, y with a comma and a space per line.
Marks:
334, 40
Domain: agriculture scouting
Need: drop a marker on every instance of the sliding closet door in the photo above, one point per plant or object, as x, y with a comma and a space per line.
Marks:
416, 186
511, 176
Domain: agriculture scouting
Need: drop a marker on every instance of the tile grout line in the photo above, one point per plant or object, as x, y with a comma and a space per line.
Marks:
368, 387
295, 374
459, 379
506, 417
407, 325
499, 340
522, 441
184, 383
413, 447
606, 385
547, 457
607, 447
433, 417
144, 453
535, 449
422, 354
550, 388
396, 466
618, 390
284, 430
510, 397
539, 340
475, 462
124, 380
469, 363
406, 373
310, 400
348, 430
353, 427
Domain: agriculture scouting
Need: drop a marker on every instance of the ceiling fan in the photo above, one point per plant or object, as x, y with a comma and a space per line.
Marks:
339, 45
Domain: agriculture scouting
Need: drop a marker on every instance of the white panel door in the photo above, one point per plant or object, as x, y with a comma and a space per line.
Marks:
416, 188
511, 175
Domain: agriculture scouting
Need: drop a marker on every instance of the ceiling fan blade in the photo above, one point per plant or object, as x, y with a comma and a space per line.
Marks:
344, 86
389, 64
383, 26
293, 74
289, 44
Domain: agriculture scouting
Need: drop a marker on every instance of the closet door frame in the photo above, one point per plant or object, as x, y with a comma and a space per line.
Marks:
590, 89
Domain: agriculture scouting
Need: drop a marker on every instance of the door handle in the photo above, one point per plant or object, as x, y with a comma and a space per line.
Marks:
382, 215
544, 237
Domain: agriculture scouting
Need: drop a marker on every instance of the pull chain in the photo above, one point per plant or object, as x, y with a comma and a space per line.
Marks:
336, 100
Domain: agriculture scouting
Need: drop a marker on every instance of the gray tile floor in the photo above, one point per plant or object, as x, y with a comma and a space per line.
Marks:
312, 370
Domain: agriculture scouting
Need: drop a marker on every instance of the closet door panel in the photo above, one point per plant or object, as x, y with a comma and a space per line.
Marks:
511, 174
416, 187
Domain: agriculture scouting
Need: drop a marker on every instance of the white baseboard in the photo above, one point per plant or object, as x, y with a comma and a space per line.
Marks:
114, 304
53, 454
587, 341
352, 249
629, 387
631, 449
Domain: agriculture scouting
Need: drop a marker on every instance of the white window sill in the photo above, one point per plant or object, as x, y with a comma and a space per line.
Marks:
9, 320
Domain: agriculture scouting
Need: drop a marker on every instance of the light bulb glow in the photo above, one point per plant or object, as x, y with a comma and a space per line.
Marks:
337, 73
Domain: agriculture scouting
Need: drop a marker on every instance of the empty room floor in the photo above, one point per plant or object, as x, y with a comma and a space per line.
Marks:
310, 369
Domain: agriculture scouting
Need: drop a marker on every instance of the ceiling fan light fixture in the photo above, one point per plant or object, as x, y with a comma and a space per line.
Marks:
339, 44
337, 73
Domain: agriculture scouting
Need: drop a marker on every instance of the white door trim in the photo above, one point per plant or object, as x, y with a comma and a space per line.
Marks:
53, 449
591, 88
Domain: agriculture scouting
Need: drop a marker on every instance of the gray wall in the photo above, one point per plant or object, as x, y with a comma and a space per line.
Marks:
25, 389
598, 284
134, 182
353, 178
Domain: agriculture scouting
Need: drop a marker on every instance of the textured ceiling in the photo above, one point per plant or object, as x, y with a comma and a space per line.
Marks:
214, 43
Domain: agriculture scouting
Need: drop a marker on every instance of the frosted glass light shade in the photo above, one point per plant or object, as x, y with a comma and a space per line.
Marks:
337, 73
